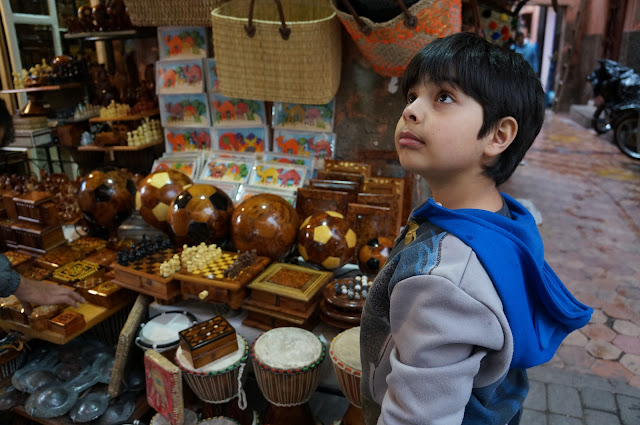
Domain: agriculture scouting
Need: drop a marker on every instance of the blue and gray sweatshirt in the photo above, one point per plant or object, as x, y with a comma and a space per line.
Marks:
465, 303
9, 278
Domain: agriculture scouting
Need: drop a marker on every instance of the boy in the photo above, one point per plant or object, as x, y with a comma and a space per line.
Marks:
465, 302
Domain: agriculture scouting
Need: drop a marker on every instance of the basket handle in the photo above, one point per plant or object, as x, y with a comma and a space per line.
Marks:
285, 32
410, 21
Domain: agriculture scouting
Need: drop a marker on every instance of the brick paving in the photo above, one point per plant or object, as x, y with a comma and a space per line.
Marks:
588, 194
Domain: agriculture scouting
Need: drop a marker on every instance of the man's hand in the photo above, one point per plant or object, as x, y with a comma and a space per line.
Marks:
45, 293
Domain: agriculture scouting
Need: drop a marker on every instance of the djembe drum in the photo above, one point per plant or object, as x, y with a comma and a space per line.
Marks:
218, 383
345, 356
218, 420
190, 418
286, 364
160, 332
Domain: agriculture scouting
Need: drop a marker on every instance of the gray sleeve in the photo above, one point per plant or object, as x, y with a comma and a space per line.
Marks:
442, 333
9, 279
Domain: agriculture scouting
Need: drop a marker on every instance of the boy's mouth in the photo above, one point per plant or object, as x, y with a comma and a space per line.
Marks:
409, 139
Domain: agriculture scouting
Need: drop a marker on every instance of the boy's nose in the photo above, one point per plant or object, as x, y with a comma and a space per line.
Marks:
412, 112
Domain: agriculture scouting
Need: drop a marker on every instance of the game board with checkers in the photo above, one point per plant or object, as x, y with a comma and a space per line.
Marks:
143, 275
211, 284
208, 341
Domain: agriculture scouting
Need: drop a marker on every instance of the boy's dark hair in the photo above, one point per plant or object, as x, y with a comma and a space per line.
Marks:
497, 78
6, 122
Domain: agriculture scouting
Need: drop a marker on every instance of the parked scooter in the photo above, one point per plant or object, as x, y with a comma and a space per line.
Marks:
617, 96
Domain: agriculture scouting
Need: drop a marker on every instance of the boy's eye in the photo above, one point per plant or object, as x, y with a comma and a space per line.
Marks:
411, 98
445, 97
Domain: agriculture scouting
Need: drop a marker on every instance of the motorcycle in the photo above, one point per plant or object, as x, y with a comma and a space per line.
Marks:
617, 97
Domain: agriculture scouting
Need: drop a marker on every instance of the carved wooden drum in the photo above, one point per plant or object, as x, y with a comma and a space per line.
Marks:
160, 333
190, 418
219, 381
286, 363
345, 356
218, 420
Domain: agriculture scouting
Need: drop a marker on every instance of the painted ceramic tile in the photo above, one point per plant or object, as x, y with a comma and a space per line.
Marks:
211, 73
186, 167
164, 387
232, 170
280, 176
241, 139
187, 139
232, 112
307, 161
319, 145
184, 76
304, 117
184, 110
246, 191
182, 42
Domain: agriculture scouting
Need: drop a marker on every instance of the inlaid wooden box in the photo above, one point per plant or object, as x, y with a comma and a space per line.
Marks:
39, 317
9, 205
208, 341
7, 233
35, 239
36, 207
67, 323
108, 294
77, 271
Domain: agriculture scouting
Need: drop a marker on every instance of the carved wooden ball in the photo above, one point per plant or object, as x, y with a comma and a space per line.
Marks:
374, 254
326, 239
201, 213
106, 197
266, 223
155, 193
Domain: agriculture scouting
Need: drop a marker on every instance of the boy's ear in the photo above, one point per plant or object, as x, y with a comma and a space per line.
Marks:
501, 136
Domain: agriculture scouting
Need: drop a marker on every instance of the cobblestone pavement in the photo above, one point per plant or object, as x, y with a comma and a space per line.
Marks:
588, 195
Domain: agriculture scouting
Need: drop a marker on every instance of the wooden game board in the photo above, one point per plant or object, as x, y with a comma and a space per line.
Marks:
144, 275
338, 310
218, 288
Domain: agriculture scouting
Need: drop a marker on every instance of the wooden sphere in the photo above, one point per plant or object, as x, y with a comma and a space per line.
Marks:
326, 239
106, 198
155, 193
374, 254
266, 223
201, 213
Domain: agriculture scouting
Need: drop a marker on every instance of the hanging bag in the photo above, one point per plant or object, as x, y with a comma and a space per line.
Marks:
389, 46
289, 51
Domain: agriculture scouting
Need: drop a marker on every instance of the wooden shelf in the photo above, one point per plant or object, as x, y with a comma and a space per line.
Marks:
44, 88
119, 148
141, 116
92, 313
112, 35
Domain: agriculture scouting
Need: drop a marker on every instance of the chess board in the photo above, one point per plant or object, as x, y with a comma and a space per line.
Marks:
213, 273
144, 275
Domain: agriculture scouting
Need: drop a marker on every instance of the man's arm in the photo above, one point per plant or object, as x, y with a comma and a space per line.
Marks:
45, 293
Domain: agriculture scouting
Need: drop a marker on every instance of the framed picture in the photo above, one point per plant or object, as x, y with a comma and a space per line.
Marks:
183, 76
186, 166
184, 110
231, 170
164, 387
280, 176
307, 161
318, 145
211, 74
231, 112
246, 191
182, 42
187, 139
252, 139
295, 116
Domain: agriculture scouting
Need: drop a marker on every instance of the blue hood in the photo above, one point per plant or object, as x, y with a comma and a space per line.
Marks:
540, 309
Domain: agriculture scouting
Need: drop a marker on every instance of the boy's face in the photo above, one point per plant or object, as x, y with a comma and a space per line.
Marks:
436, 136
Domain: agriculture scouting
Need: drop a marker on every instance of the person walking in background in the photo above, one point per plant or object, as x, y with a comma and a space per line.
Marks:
527, 50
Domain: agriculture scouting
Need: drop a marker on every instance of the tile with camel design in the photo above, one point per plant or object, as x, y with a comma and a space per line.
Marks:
182, 42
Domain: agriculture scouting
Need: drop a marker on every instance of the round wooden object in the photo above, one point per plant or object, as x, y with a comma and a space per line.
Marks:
374, 254
155, 193
326, 239
337, 309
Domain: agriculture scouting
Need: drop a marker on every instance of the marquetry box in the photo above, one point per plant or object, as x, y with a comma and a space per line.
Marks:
9, 205
208, 341
9, 236
20, 262
76, 272
39, 317
59, 256
210, 284
37, 207
144, 275
6, 304
108, 294
67, 323
37, 240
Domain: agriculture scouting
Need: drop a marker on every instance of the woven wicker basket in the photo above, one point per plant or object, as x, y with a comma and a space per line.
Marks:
160, 13
301, 65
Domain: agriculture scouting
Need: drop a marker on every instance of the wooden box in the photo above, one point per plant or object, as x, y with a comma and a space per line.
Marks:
37, 207
208, 341
77, 271
59, 256
311, 201
37, 240
352, 188
108, 294
144, 276
336, 165
289, 289
211, 285
369, 222
67, 323
266, 320
9, 205
9, 236
20, 262
39, 317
